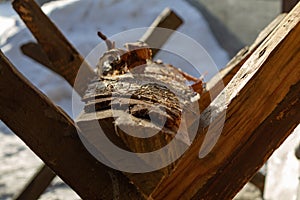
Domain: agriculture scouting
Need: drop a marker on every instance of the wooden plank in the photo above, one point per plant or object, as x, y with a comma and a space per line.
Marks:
154, 37
262, 108
64, 58
258, 148
167, 19
220, 80
37, 185
215, 85
52, 135
36, 52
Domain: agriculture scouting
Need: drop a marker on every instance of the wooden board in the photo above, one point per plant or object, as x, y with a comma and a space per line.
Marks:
154, 37
52, 135
63, 57
262, 108
37, 185
215, 85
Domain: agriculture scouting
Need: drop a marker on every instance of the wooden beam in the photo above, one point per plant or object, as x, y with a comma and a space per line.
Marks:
264, 140
36, 52
167, 19
154, 37
64, 58
262, 108
215, 85
52, 135
37, 185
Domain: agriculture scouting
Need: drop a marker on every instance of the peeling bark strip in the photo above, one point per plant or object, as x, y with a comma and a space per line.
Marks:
64, 58
52, 135
144, 103
262, 102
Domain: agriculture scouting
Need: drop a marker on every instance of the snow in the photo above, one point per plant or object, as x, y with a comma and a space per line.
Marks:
282, 180
79, 21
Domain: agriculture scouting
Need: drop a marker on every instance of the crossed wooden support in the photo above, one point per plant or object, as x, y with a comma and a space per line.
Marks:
261, 104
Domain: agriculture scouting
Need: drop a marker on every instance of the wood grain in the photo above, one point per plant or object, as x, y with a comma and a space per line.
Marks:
129, 106
64, 58
215, 85
262, 108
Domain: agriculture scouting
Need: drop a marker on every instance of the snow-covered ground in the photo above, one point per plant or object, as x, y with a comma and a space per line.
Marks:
79, 21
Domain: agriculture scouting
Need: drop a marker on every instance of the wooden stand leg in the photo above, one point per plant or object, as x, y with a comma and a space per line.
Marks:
37, 185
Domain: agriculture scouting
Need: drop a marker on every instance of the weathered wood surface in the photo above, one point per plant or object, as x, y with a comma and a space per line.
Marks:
149, 99
52, 135
64, 58
167, 19
215, 85
262, 108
